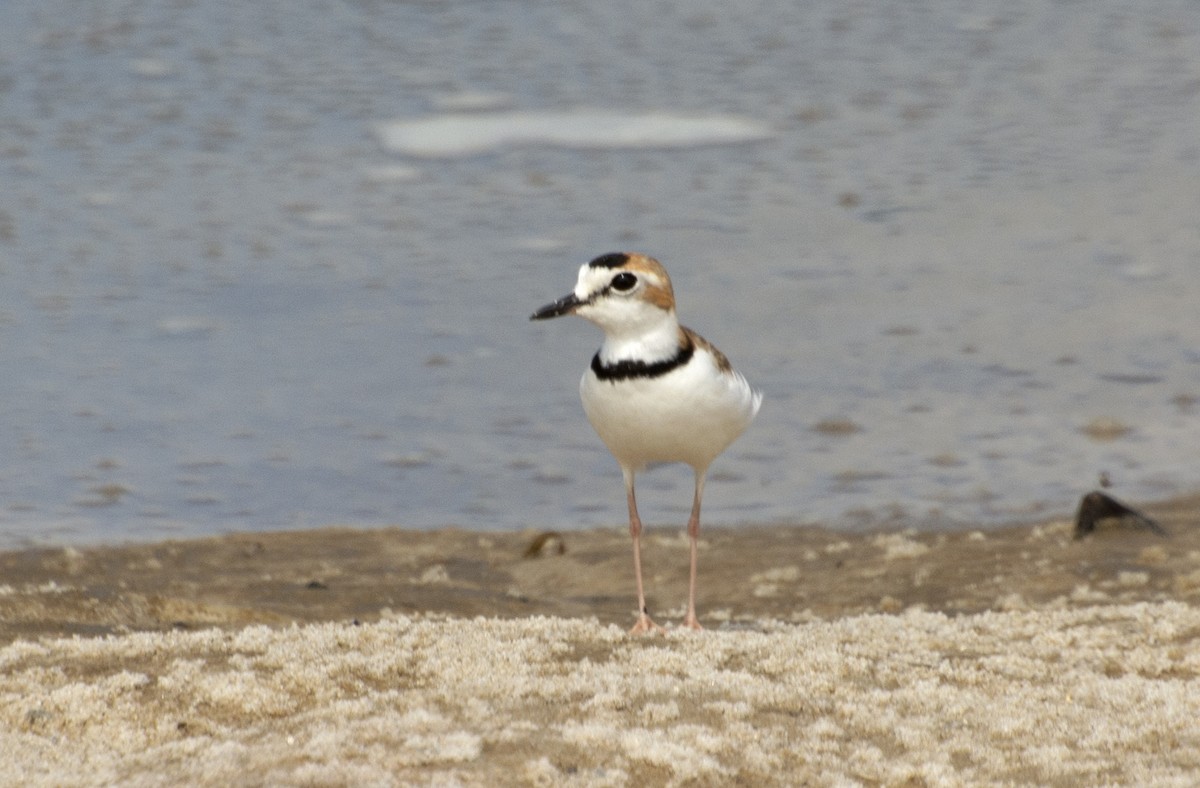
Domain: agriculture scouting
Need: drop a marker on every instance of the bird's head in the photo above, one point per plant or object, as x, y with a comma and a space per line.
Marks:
623, 293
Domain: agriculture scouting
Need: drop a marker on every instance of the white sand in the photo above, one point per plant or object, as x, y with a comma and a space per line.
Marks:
1106, 694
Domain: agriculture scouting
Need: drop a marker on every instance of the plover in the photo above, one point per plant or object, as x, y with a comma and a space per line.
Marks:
656, 391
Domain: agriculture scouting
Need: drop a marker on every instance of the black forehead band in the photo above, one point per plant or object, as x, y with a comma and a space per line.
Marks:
610, 260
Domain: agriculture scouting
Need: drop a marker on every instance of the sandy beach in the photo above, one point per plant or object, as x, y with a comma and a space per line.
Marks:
340, 656
273, 271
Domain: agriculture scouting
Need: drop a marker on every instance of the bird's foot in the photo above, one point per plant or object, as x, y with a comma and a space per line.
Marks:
644, 625
692, 623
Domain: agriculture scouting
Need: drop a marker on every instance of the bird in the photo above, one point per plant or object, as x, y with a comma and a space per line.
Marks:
1096, 506
655, 392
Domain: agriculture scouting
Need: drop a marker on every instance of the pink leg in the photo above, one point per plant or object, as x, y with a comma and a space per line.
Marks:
644, 624
693, 528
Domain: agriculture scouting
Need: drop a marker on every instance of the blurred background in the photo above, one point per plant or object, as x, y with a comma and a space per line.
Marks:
270, 265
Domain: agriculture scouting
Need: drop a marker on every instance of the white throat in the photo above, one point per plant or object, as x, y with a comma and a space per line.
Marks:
648, 343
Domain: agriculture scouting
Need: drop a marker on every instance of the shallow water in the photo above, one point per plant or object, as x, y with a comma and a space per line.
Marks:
955, 246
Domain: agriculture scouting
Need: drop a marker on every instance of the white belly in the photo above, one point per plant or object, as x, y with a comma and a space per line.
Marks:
689, 415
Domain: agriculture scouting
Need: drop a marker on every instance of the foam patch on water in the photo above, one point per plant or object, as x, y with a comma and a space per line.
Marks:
453, 135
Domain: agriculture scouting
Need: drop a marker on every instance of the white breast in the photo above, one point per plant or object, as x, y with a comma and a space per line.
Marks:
689, 415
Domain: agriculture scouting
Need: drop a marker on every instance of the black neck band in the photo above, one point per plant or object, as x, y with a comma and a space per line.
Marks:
630, 368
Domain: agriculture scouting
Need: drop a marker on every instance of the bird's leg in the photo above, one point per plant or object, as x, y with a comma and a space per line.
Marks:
693, 529
644, 624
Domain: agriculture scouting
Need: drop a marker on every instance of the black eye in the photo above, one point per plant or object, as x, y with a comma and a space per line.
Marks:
624, 281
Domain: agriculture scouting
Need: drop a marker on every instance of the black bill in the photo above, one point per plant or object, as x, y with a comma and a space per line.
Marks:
563, 306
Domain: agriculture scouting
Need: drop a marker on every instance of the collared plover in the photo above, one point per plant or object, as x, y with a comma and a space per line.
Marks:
655, 391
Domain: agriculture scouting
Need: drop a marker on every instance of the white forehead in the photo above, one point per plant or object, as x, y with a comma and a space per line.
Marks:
594, 279
591, 280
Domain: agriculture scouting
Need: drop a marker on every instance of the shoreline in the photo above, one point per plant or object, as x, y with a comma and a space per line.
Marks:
335, 656
747, 573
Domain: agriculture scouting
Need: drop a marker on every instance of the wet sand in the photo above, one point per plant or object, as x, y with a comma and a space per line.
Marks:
339, 656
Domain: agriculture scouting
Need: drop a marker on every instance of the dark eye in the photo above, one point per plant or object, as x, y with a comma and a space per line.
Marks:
624, 281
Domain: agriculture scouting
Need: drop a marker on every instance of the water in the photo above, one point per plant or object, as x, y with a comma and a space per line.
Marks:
945, 240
